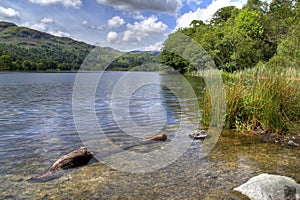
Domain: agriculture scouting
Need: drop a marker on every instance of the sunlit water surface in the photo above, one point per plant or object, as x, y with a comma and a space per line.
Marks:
37, 127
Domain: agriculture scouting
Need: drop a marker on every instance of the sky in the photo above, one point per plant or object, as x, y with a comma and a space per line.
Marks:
125, 25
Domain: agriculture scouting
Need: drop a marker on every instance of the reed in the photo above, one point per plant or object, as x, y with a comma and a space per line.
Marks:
269, 100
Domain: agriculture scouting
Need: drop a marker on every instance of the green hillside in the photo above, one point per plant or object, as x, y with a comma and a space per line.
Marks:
26, 49
137, 60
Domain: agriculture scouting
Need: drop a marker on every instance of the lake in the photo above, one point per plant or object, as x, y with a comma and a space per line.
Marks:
38, 115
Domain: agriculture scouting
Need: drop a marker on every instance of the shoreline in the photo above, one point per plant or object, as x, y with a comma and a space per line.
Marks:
285, 140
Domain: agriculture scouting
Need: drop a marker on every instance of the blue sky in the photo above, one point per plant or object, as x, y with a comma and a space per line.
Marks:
121, 24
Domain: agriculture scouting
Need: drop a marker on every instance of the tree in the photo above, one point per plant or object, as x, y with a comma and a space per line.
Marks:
197, 23
240, 38
222, 15
257, 5
280, 19
244, 37
6, 62
288, 51
28, 65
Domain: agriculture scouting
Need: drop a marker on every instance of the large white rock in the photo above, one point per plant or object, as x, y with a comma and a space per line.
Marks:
270, 187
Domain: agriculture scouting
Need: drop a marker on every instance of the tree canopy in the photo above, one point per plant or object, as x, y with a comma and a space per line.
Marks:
241, 38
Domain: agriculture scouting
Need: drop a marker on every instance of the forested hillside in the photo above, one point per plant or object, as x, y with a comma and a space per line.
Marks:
243, 38
145, 61
26, 49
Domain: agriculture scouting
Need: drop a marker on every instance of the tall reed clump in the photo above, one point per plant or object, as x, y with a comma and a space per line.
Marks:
271, 102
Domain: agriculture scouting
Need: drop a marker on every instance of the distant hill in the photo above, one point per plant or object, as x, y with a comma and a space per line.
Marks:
137, 61
26, 49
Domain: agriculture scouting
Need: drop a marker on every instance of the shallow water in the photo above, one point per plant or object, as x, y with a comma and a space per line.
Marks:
37, 127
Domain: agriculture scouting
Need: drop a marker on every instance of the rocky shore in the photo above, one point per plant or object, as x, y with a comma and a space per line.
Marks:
287, 140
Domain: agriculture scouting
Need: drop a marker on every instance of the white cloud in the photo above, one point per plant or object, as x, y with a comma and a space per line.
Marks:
112, 37
170, 6
154, 47
138, 16
206, 13
197, 2
40, 27
60, 33
47, 21
138, 35
185, 20
84, 23
44, 26
115, 22
93, 27
98, 28
66, 3
138, 31
8, 13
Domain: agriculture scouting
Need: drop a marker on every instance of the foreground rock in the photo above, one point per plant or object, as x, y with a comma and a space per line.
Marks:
287, 140
198, 135
159, 137
73, 159
292, 143
270, 187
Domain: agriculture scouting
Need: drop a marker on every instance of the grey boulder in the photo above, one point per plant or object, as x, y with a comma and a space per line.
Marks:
270, 187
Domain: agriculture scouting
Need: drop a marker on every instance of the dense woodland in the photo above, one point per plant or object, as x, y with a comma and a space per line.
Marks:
24, 49
244, 38
136, 60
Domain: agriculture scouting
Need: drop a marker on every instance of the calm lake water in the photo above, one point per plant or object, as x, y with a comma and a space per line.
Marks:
37, 127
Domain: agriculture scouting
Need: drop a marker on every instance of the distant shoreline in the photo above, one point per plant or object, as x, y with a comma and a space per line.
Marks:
57, 72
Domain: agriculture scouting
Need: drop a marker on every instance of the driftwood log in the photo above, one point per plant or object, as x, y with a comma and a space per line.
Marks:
159, 137
73, 159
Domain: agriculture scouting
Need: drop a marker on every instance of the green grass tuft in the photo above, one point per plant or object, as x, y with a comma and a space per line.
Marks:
259, 99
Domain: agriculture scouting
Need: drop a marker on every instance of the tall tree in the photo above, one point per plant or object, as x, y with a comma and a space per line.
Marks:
281, 17
222, 15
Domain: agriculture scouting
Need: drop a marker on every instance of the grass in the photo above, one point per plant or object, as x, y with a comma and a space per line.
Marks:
263, 99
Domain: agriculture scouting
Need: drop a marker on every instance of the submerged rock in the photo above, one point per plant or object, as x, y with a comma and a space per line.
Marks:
270, 187
159, 137
73, 159
198, 135
292, 143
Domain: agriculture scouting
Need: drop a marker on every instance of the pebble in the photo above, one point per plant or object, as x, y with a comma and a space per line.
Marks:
292, 143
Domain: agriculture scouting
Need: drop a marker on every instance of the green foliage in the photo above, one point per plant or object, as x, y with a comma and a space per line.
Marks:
136, 61
184, 54
237, 39
222, 15
6, 62
288, 52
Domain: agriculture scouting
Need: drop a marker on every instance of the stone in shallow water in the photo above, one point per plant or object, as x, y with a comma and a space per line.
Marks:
270, 187
292, 143
159, 137
73, 159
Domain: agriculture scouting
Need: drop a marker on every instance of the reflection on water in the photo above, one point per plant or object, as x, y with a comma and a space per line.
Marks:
37, 127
